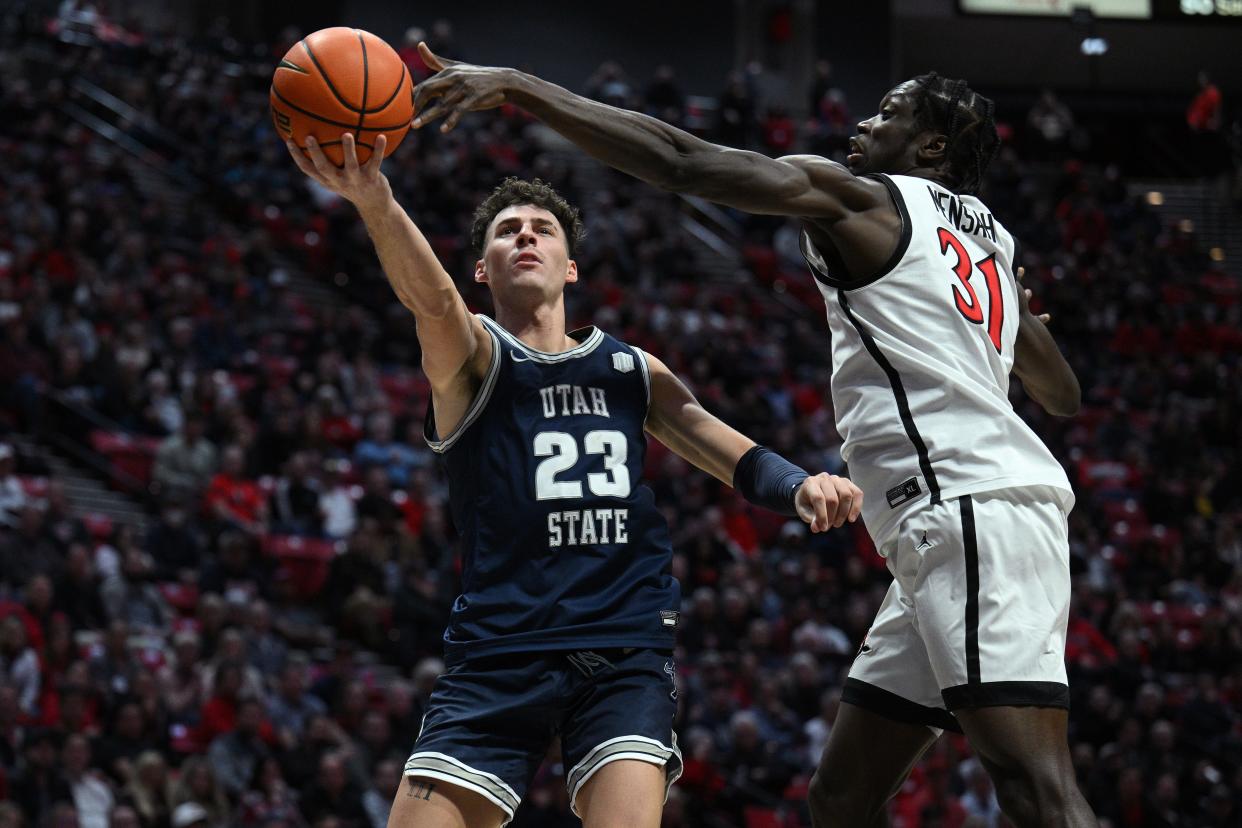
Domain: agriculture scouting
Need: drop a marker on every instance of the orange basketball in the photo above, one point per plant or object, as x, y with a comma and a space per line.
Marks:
342, 80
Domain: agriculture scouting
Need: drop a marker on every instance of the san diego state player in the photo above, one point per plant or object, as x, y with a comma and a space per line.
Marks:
566, 622
964, 500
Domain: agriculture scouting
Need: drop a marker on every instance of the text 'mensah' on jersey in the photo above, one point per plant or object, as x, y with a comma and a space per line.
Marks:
562, 545
921, 355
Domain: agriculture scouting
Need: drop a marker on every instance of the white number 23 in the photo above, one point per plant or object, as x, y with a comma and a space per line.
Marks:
561, 451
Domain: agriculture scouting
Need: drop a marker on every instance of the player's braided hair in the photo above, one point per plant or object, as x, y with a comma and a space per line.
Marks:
518, 191
967, 120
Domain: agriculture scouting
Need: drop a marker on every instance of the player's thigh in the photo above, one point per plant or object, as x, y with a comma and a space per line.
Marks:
432, 803
1029, 740
867, 758
623, 794
622, 714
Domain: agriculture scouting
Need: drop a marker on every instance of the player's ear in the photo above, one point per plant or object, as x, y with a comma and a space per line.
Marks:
932, 148
480, 271
571, 272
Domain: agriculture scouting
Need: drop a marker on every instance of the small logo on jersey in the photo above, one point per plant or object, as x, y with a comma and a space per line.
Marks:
669, 618
864, 647
513, 355
589, 663
623, 362
906, 491
672, 677
924, 543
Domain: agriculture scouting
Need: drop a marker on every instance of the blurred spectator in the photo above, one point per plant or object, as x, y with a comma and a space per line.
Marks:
12, 494
185, 462
333, 794
40, 785
377, 801
149, 790
234, 500
235, 754
1052, 121
19, 665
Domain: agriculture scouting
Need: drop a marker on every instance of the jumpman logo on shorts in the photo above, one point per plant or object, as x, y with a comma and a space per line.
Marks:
924, 543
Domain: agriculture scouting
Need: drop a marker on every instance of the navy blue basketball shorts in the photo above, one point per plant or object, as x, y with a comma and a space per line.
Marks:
490, 720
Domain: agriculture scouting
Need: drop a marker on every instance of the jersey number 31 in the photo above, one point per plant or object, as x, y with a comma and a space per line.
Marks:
968, 302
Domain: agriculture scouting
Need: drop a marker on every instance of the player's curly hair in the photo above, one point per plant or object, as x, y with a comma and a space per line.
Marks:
519, 191
967, 120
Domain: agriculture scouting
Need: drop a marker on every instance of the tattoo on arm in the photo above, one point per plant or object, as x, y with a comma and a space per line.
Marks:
420, 789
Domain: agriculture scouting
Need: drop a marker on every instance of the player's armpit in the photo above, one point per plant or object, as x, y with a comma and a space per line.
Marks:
1042, 368
677, 420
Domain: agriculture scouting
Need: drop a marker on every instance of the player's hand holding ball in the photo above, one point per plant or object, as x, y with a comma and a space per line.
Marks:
342, 100
826, 501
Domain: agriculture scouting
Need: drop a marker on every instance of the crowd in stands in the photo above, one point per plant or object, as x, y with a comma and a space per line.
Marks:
258, 653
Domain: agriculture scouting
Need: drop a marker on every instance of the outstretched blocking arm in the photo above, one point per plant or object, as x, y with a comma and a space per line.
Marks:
1039, 363
677, 420
649, 149
456, 348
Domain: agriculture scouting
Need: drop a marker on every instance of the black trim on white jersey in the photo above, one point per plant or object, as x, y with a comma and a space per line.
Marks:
899, 393
824, 263
1006, 694
971, 544
891, 706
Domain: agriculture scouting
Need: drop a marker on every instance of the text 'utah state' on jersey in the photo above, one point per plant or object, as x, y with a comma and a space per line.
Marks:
921, 355
563, 548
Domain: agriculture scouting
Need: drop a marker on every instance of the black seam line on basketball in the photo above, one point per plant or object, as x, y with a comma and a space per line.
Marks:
328, 81
286, 64
971, 547
390, 98
309, 114
366, 81
899, 394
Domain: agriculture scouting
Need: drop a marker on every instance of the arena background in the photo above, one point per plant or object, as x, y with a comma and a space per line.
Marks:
250, 619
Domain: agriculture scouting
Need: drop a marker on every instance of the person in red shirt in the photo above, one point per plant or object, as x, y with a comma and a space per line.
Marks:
1203, 116
234, 499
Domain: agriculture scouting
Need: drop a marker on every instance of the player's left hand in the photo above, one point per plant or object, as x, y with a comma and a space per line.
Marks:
1024, 298
826, 501
460, 87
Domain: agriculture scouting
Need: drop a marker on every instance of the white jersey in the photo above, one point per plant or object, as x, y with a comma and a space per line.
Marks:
921, 355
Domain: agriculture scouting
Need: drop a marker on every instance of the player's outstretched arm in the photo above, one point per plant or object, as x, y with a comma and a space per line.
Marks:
647, 148
1039, 363
677, 420
456, 348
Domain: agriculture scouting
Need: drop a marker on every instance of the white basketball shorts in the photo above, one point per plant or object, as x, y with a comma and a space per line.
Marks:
977, 611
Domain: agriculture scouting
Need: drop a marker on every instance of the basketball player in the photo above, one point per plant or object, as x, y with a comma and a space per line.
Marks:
963, 499
566, 622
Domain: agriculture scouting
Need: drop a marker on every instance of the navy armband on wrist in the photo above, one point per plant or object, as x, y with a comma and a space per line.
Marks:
766, 479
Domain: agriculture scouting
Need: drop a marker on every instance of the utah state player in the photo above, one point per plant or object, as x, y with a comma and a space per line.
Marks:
963, 498
567, 617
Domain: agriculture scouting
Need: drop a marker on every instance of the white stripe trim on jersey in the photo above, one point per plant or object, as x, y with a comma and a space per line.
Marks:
640, 748
447, 769
585, 347
646, 372
476, 405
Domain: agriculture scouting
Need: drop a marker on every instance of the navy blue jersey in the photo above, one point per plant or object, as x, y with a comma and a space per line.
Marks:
563, 548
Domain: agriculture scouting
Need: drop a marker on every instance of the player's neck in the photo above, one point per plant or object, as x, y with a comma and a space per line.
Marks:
541, 328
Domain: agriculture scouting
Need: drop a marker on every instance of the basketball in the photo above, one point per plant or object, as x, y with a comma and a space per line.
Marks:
341, 80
